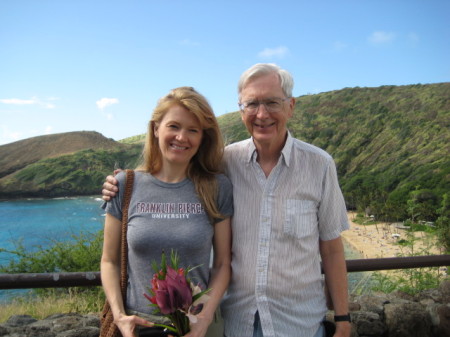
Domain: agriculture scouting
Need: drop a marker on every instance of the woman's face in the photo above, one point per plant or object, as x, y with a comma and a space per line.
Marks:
179, 136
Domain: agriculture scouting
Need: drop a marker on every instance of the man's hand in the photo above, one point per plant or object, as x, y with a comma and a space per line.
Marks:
109, 187
343, 329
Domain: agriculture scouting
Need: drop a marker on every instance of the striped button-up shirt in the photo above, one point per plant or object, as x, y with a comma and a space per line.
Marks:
276, 227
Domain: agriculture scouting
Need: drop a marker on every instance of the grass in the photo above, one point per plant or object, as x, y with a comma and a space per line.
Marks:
82, 253
360, 219
55, 301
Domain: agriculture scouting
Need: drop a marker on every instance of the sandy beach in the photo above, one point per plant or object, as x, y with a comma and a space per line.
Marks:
381, 240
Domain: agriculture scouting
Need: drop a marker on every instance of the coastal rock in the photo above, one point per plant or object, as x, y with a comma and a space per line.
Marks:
81, 332
407, 319
443, 325
398, 314
20, 320
368, 323
429, 295
373, 303
444, 289
60, 325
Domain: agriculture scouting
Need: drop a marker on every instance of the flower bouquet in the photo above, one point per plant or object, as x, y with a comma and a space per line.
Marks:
174, 295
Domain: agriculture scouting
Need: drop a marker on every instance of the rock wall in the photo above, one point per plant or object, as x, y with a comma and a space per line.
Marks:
60, 325
426, 314
377, 315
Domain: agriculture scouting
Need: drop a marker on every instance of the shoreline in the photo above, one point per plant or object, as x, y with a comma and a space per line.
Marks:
381, 240
68, 197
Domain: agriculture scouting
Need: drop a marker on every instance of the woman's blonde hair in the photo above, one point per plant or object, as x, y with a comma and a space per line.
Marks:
206, 163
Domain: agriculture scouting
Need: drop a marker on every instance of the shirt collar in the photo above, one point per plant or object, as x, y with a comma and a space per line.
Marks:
251, 151
287, 149
285, 152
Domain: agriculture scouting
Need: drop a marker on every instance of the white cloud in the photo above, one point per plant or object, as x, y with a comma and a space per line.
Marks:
48, 130
104, 102
9, 136
278, 52
32, 101
49, 105
380, 37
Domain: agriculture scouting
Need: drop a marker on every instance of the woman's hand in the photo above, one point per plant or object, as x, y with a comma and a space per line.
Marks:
200, 328
127, 324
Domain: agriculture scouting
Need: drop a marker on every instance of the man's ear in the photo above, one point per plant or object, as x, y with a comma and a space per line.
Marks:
291, 106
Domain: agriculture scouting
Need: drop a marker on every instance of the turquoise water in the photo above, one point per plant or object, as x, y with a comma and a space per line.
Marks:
38, 222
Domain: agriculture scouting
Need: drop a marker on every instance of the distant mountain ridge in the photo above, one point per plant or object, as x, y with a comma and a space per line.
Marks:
65, 164
17, 155
390, 144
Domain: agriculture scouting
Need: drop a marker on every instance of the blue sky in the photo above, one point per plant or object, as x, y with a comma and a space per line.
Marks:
102, 65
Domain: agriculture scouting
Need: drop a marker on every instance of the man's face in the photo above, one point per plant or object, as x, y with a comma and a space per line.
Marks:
266, 128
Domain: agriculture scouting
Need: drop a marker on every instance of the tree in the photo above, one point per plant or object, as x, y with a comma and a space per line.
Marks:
443, 222
422, 205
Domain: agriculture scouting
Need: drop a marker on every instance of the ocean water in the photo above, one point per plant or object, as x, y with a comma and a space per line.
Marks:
38, 222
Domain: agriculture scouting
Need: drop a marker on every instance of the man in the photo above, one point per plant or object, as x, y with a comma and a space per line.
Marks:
289, 213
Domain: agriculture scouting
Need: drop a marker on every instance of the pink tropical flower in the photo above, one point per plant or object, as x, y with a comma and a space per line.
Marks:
175, 296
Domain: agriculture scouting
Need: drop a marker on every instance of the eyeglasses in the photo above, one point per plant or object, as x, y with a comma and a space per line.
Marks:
272, 105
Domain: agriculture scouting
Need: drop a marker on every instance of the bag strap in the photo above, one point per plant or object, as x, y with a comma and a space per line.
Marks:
124, 243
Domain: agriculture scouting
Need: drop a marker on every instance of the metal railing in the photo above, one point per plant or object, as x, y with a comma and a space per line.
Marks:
91, 279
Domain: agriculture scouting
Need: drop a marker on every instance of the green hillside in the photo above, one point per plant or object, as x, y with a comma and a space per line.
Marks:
17, 155
391, 145
66, 164
79, 174
386, 141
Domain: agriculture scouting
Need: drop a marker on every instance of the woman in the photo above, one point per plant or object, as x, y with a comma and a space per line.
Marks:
179, 201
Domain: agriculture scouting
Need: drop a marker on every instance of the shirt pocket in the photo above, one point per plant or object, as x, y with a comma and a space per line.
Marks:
300, 218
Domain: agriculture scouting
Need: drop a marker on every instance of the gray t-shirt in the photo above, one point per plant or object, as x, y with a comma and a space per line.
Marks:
165, 216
